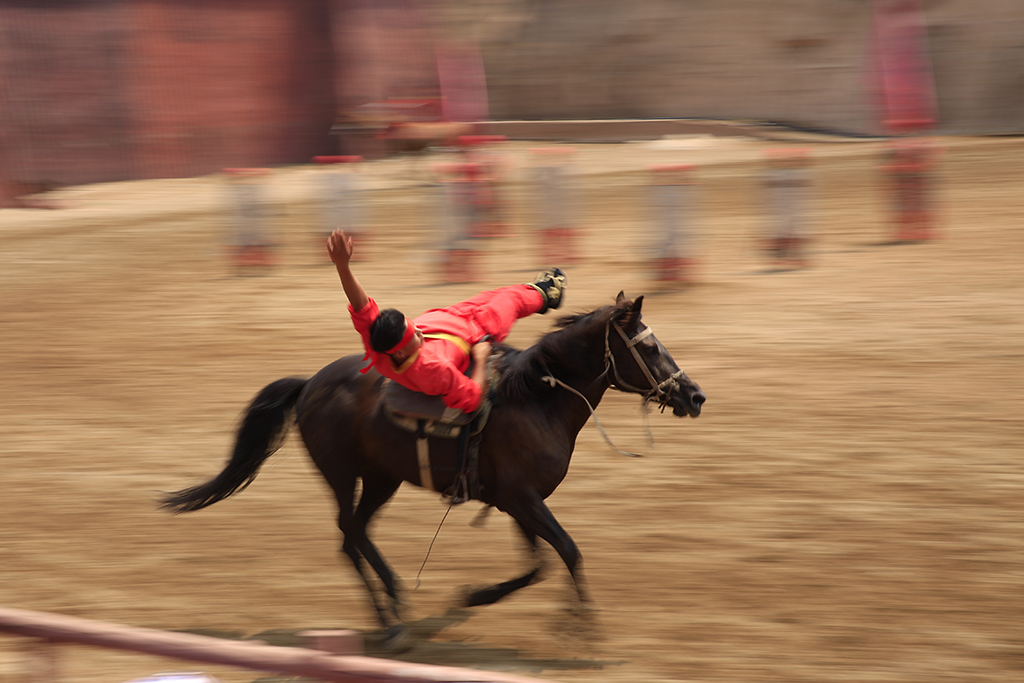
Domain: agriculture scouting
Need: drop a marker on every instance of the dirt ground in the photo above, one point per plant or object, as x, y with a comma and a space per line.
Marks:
847, 508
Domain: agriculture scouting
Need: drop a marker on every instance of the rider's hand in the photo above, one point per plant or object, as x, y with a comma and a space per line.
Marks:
339, 247
481, 351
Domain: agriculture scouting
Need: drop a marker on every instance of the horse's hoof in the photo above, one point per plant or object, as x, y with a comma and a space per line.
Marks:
583, 610
475, 597
397, 639
580, 623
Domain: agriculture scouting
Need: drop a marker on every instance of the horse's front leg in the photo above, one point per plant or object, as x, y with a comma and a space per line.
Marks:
492, 594
534, 517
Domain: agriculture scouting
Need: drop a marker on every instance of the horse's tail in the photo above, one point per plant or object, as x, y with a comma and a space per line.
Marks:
260, 434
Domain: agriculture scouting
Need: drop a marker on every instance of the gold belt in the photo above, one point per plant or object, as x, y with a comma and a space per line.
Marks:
458, 341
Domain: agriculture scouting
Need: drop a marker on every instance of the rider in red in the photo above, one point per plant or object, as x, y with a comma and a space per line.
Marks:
431, 353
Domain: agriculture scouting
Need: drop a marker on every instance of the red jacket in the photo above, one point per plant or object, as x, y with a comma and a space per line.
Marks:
439, 367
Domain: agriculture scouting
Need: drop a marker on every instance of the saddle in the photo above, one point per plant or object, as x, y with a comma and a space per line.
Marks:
428, 416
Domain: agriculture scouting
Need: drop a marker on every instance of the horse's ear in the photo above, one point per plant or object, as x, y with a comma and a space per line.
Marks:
620, 297
629, 311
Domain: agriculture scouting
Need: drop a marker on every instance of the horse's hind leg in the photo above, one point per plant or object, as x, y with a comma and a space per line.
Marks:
359, 549
492, 594
350, 548
376, 492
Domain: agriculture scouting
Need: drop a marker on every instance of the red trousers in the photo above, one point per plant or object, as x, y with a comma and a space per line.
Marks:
488, 313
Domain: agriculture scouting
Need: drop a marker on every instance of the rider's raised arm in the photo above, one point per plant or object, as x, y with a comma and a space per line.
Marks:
339, 246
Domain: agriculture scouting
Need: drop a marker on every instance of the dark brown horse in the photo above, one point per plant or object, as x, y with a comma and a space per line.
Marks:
543, 400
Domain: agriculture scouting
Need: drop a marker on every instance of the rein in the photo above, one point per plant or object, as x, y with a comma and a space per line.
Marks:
659, 391
554, 381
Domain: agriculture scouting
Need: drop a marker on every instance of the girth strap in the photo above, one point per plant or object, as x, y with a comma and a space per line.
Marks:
423, 457
466, 485
467, 478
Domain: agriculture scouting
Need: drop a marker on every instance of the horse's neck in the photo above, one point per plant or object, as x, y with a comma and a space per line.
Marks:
587, 382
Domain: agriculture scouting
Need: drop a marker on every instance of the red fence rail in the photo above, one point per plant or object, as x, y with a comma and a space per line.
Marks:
56, 628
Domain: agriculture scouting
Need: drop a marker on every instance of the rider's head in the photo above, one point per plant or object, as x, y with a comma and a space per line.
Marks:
394, 334
387, 330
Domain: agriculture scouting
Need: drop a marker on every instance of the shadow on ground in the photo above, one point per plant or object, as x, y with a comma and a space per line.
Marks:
424, 650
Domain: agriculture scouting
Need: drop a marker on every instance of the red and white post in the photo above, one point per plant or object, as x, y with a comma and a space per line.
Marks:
788, 183
906, 92
558, 231
458, 198
909, 171
491, 206
249, 241
342, 202
673, 191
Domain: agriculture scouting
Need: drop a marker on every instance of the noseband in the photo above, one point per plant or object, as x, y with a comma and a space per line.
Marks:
659, 391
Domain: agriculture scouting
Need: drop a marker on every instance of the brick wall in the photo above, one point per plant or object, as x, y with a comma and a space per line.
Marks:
98, 91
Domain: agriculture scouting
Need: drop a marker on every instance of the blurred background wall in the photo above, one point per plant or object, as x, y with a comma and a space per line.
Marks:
99, 91
120, 89
809, 63
796, 61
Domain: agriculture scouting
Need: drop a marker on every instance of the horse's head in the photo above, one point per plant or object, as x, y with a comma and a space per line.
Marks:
640, 364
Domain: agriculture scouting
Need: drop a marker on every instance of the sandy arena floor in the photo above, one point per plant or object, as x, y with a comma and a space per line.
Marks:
848, 508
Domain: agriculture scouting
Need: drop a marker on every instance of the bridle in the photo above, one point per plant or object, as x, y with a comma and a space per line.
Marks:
659, 391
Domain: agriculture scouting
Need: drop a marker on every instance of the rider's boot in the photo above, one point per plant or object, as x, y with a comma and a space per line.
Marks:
551, 284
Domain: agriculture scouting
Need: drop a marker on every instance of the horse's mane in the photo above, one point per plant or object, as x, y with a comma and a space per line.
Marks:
521, 370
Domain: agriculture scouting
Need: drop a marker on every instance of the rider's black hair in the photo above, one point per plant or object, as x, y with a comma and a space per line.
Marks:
387, 330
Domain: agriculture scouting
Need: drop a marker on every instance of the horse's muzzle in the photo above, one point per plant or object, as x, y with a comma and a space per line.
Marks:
688, 401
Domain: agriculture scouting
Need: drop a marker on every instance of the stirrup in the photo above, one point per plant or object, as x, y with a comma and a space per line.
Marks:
459, 490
